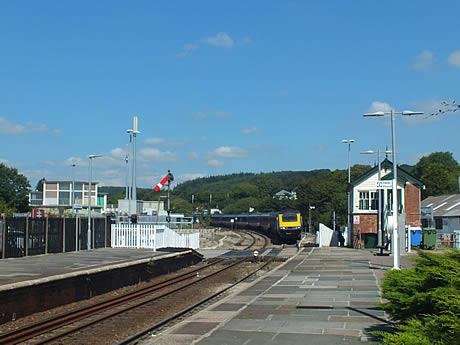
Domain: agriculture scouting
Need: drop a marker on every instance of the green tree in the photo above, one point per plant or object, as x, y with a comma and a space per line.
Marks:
439, 172
242, 205
40, 183
180, 205
14, 189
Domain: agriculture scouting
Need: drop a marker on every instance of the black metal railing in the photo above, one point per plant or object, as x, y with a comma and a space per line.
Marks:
33, 236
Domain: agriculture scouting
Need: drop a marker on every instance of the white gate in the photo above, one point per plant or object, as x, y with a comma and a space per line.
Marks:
151, 236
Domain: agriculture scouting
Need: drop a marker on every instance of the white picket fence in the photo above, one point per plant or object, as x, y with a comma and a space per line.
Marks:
151, 236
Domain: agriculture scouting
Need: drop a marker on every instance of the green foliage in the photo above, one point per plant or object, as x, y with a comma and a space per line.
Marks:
439, 171
14, 189
425, 300
39, 186
242, 205
180, 205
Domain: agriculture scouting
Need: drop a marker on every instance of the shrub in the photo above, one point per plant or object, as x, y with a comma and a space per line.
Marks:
425, 300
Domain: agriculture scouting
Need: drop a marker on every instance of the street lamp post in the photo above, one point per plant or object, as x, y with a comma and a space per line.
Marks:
310, 207
133, 132
395, 240
350, 236
379, 198
90, 192
73, 187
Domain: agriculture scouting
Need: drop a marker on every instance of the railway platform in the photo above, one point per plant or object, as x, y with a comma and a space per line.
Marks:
35, 283
320, 296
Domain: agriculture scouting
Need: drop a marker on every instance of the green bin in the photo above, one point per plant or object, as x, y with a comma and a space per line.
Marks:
429, 238
370, 240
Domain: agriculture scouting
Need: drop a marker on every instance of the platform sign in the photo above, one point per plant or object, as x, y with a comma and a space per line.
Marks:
356, 220
381, 184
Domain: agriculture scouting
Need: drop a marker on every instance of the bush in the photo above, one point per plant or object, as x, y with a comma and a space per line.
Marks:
425, 300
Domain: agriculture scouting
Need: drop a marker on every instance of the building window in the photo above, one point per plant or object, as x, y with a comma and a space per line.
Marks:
51, 194
390, 200
374, 200
64, 185
51, 186
64, 198
368, 200
363, 200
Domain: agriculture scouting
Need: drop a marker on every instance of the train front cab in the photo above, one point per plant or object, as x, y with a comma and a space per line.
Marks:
289, 226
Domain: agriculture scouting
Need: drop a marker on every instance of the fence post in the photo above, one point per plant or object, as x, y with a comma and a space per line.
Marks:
26, 238
4, 237
138, 236
46, 235
154, 238
63, 234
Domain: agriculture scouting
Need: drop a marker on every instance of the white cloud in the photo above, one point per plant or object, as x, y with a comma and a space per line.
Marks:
221, 39
379, 106
454, 59
7, 127
424, 60
249, 130
154, 141
193, 155
118, 153
156, 154
229, 152
215, 163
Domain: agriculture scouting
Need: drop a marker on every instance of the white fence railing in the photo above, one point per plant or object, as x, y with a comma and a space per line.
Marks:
151, 236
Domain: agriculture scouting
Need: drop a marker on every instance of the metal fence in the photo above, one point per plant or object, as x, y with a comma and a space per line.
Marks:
33, 236
151, 236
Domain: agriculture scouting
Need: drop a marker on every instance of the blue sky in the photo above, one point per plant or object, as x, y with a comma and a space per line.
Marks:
221, 86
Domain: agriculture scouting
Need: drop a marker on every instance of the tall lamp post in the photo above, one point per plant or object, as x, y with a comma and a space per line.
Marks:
133, 132
310, 207
395, 239
350, 236
90, 192
379, 198
73, 186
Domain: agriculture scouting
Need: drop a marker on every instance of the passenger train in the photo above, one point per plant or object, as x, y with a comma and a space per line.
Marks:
285, 226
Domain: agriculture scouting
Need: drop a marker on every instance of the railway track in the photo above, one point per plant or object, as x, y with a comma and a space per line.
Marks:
109, 308
159, 325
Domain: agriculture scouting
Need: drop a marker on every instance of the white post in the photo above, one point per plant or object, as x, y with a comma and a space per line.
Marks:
409, 239
154, 238
138, 235
395, 240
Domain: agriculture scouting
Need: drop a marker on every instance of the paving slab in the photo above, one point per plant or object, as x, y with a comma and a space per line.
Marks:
321, 296
26, 270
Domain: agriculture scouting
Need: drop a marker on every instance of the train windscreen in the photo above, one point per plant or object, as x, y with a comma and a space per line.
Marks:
289, 217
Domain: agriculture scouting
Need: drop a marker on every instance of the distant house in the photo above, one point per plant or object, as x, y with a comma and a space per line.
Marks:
443, 213
62, 195
365, 203
285, 195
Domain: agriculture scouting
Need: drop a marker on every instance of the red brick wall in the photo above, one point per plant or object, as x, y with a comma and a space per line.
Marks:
367, 225
412, 204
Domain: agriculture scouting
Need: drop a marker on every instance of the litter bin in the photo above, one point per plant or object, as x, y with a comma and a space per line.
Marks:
370, 240
416, 237
429, 238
